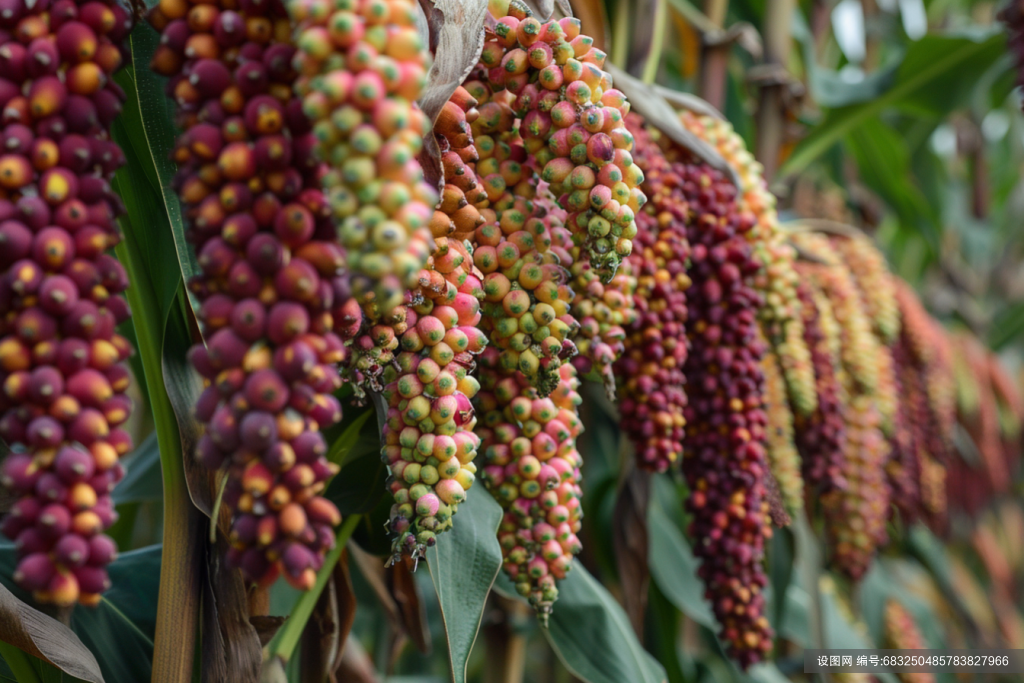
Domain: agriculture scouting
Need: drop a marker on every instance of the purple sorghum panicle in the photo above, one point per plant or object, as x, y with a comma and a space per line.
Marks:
777, 281
62, 370
855, 516
725, 461
820, 437
250, 188
652, 397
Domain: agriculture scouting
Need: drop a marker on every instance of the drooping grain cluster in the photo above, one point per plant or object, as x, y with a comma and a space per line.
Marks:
526, 292
777, 281
725, 460
855, 515
909, 440
361, 65
877, 287
604, 311
783, 457
533, 469
250, 185
572, 126
62, 370
821, 436
652, 393
902, 633
429, 440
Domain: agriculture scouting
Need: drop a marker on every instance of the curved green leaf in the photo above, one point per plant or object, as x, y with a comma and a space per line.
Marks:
148, 123
141, 483
118, 631
592, 636
883, 160
463, 566
934, 68
356, 448
1007, 327
674, 568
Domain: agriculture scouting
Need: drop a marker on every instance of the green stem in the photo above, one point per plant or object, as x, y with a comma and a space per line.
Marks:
620, 34
19, 664
177, 603
284, 642
657, 42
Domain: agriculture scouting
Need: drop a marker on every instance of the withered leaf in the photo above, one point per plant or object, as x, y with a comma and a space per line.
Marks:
629, 537
355, 665
231, 643
41, 636
459, 29
647, 102
688, 101
407, 595
266, 627
183, 386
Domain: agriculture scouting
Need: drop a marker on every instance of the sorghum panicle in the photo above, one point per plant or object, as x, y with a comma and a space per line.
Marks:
526, 292
429, 440
821, 436
876, 285
62, 369
855, 516
652, 397
532, 468
782, 454
725, 461
572, 125
902, 633
362, 65
250, 185
777, 281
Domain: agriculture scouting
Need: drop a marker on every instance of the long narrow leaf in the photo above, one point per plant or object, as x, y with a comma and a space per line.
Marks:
281, 648
929, 62
463, 566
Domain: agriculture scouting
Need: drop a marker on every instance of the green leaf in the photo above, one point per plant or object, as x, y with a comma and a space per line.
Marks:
141, 253
135, 579
141, 483
674, 568
463, 565
1007, 327
19, 667
781, 555
115, 631
361, 484
148, 123
827, 87
883, 161
592, 636
281, 648
933, 72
